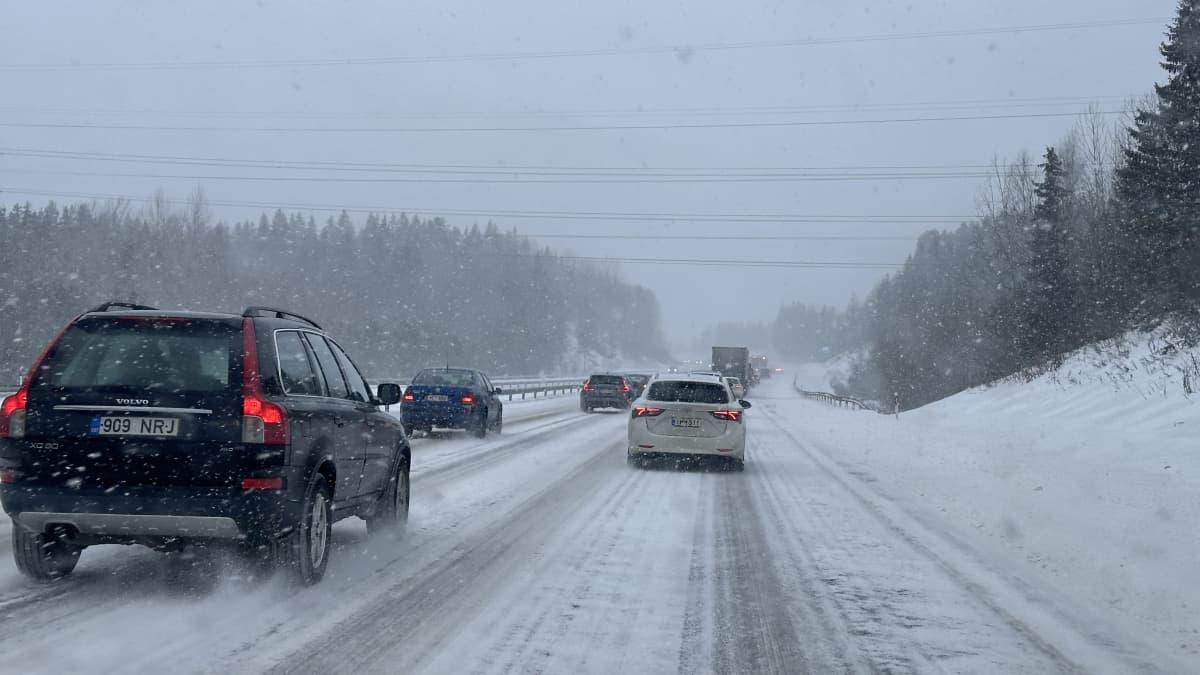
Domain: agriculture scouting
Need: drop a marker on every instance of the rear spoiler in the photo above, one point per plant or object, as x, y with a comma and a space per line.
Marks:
120, 305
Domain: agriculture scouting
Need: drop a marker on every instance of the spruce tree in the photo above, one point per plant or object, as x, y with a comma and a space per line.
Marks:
1050, 294
1159, 185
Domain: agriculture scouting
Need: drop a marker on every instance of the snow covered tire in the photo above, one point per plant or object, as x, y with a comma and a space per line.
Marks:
304, 553
391, 514
42, 559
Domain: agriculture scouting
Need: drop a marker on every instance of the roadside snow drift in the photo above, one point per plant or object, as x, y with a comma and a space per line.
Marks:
1084, 482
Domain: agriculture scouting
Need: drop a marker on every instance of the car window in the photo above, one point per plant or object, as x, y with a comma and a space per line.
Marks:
354, 379
335, 383
143, 355
607, 380
686, 391
297, 373
445, 377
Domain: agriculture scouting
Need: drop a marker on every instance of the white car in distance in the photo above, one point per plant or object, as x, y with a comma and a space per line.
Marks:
739, 389
688, 416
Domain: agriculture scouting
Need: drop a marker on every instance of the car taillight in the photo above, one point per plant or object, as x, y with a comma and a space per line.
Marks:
727, 415
12, 414
262, 420
408, 396
262, 483
12, 410
646, 411
625, 387
587, 385
468, 398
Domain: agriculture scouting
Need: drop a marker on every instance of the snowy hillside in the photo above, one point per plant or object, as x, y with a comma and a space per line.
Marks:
1082, 482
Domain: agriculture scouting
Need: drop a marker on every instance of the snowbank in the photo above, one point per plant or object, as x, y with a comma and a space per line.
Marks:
1084, 481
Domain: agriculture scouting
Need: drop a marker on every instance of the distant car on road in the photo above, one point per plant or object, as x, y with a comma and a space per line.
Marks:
452, 398
739, 390
170, 429
688, 416
605, 390
638, 382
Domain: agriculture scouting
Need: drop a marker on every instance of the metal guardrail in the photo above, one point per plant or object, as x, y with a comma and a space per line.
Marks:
545, 387
522, 387
838, 400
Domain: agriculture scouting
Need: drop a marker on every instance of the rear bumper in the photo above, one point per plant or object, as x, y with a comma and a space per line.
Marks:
642, 442
675, 449
605, 400
152, 515
432, 415
131, 525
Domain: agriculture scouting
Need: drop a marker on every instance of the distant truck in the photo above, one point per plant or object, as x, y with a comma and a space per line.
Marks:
733, 362
761, 368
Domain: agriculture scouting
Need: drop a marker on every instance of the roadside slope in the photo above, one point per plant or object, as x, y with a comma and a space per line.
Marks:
1083, 481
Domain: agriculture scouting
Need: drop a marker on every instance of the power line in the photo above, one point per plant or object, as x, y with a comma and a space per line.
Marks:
486, 169
738, 237
576, 179
705, 262
679, 50
1010, 102
776, 218
555, 128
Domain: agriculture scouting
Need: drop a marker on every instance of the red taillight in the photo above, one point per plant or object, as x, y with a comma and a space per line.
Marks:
468, 398
8, 476
12, 414
587, 385
12, 410
262, 483
727, 415
408, 396
262, 420
626, 388
646, 411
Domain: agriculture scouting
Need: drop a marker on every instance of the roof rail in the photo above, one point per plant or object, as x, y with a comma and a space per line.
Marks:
123, 305
279, 314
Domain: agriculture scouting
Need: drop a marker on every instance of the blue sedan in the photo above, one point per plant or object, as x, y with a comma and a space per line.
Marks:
452, 398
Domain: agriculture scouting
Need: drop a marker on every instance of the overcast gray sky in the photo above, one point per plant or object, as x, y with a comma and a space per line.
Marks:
783, 106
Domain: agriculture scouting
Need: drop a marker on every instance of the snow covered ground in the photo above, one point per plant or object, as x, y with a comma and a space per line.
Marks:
1082, 483
1002, 531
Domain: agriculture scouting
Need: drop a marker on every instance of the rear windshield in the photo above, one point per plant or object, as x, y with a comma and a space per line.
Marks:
445, 378
143, 354
684, 391
606, 380
638, 379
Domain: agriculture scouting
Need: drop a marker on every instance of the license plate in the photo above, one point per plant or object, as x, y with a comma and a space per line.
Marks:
134, 426
438, 397
685, 422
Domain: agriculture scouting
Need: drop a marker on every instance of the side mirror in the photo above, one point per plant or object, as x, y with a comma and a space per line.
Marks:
745, 404
388, 393
497, 391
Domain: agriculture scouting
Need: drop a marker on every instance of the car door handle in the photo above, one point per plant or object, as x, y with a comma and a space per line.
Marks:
339, 421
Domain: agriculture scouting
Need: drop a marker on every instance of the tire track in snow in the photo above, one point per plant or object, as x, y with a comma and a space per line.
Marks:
363, 641
742, 615
981, 591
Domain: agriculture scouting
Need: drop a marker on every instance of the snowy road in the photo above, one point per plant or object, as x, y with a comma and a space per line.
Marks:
541, 551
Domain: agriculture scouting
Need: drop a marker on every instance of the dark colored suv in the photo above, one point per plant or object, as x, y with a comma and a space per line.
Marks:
169, 429
605, 390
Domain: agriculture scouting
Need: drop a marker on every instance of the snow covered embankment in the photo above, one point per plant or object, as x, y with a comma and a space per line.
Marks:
1084, 481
